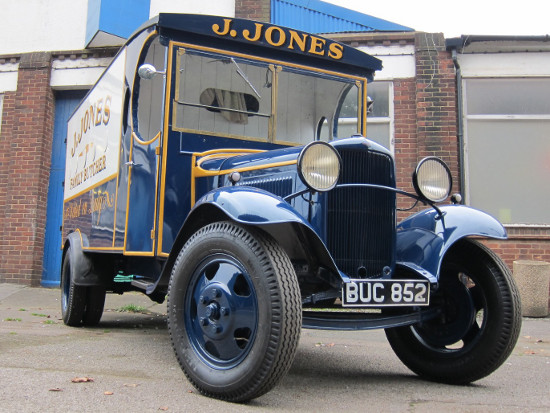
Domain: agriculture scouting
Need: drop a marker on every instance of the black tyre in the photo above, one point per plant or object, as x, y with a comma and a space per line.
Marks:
73, 297
234, 312
95, 301
479, 324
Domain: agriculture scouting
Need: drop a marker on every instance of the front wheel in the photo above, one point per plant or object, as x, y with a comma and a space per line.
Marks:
479, 324
234, 311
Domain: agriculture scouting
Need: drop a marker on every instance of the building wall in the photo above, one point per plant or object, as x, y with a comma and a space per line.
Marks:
29, 74
424, 111
38, 25
425, 117
61, 24
424, 101
216, 7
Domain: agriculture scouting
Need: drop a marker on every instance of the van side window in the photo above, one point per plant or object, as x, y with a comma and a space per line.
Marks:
147, 95
222, 95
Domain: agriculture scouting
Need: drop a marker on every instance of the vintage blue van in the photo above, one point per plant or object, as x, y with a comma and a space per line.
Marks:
222, 164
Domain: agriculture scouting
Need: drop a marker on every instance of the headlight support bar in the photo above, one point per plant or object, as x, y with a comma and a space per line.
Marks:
440, 214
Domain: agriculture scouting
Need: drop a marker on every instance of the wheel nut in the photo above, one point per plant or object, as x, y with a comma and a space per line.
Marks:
224, 311
203, 321
217, 293
216, 328
203, 299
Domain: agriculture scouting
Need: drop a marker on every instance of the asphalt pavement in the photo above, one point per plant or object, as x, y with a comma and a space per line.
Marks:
126, 364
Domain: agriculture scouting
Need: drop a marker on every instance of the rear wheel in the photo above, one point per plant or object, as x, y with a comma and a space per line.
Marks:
73, 297
479, 324
95, 301
234, 311
80, 305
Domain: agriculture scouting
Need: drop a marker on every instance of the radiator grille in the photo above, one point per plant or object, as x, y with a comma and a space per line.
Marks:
281, 186
361, 221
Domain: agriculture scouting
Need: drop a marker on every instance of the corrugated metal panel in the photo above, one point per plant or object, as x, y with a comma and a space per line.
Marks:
319, 17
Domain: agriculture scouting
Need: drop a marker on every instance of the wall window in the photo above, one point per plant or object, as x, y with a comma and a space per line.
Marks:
380, 115
507, 151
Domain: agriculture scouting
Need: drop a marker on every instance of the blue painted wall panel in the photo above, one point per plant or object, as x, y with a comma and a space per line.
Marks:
120, 18
65, 103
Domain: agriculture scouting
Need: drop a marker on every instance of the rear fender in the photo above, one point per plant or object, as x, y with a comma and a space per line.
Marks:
81, 265
424, 238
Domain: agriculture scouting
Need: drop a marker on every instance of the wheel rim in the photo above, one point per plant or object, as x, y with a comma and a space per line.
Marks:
464, 316
221, 311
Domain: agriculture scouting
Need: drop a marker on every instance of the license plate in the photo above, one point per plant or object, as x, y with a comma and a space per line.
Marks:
384, 293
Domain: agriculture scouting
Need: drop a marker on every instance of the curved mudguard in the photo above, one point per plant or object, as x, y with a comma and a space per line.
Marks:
81, 265
424, 238
256, 207
252, 206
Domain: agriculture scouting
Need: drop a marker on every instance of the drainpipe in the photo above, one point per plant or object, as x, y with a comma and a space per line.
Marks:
459, 112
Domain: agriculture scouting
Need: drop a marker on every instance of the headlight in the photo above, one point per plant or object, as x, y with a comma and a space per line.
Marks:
319, 166
432, 179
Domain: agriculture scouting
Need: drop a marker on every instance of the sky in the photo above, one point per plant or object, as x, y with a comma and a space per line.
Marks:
455, 18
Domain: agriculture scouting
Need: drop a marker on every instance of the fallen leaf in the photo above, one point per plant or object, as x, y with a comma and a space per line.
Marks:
130, 385
82, 380
530, 352
163, 408
56, 389
108, 393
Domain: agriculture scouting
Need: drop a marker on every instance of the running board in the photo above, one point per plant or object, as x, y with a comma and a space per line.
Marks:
148, 287
142, 284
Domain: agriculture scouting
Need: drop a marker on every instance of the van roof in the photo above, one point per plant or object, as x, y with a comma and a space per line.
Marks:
263, 39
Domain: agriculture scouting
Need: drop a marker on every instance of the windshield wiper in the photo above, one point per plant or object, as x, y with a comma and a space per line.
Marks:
243, 75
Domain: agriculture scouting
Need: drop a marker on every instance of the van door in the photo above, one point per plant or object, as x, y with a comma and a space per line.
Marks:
147, 110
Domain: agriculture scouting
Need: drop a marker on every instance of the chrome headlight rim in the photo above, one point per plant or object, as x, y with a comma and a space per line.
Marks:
303, 158
421, 184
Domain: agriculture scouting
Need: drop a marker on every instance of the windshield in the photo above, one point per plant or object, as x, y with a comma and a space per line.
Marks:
314, 107
243, 98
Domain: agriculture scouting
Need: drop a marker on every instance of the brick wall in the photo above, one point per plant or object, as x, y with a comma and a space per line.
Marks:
436, 102
519, 247
25, 156
405, 137
253, 9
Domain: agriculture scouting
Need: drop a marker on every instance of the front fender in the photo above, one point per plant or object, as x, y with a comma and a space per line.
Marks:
252, 206
424, 238
256, 207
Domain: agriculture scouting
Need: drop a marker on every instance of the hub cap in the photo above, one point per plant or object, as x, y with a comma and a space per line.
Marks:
220, 312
